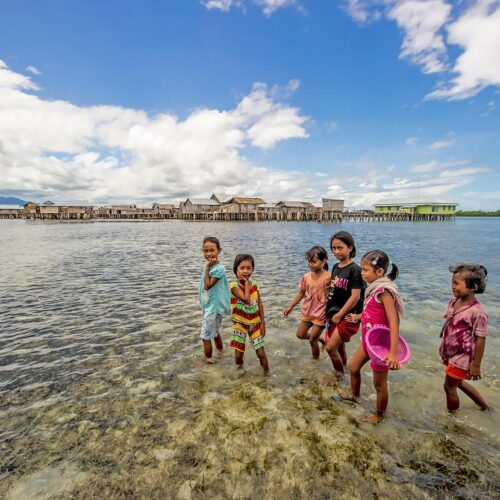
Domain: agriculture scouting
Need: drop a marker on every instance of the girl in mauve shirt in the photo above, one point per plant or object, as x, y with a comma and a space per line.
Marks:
464, 335
313, 290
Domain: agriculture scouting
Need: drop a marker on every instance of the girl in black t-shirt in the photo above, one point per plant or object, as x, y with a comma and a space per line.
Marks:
346, 296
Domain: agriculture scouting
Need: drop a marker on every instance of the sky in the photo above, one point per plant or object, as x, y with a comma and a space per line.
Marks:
144, 101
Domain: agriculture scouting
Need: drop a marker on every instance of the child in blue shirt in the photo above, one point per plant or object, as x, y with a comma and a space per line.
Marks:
214, 296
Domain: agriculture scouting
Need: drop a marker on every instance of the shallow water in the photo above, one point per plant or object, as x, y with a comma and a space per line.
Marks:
103, 391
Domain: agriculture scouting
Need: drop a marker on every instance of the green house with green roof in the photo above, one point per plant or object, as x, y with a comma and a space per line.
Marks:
416, 206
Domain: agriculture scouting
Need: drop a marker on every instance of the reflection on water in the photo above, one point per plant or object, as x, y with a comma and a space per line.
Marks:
103, 392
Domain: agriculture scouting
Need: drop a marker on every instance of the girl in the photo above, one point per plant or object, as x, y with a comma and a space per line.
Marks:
464, 335
382, 306
247, 312
213, 292
345, 297
313, 288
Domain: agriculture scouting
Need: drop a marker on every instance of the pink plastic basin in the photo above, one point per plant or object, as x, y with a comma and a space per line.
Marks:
378, 343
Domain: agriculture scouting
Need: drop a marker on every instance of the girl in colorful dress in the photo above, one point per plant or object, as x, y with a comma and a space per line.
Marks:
345, 297
313, 288
464, 335
247, 312
382, 306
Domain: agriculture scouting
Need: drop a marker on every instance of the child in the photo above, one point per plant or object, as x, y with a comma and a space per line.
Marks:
247, 312
214, 296
464, 335
382, 306
313, 288
345, 297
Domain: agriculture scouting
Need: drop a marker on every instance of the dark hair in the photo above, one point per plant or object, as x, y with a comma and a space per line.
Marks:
212, 239
319, 253
380, 260
240, 258
474, 276
346, 238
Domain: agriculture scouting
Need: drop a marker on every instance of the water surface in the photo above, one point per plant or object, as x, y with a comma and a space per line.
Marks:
103, 391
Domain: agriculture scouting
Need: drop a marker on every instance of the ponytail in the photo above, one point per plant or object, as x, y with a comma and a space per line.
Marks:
394, 272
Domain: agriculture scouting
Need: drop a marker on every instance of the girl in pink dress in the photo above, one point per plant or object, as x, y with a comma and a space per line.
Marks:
313, 289
382, 306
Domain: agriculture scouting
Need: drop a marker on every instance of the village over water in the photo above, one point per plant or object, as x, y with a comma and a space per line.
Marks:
236, 208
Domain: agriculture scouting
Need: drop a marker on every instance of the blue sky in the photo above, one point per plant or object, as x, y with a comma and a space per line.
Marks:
146, 101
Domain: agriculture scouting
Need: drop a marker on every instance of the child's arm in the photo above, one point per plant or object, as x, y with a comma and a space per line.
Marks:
351, 302
295, 301
390, 310
475, 368
243, 295
209, 281
262, 319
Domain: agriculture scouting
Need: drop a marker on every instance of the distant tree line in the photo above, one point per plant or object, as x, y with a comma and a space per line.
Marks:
478, 213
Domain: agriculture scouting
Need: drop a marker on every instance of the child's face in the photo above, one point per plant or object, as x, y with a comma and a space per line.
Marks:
341, 250
369, 273
459, 286
316, 264
210, 250
244, 269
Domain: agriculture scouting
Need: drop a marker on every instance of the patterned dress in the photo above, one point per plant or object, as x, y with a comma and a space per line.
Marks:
246, 318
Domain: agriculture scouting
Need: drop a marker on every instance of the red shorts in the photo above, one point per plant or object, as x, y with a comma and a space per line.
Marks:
345, 328
457, 373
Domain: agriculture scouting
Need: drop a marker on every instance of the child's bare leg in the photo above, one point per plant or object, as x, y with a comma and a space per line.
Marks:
207, 348
238, 358
303, 331
218, 342
357, 362
261, 354
380, 384
343, 353
474, 394
314, 334
332, 347
450, 388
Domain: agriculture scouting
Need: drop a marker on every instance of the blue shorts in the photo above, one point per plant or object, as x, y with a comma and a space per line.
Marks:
210, 325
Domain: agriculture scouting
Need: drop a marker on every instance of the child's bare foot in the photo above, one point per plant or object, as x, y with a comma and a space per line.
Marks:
489, 409
348, 396
210, 361
219, 353
371, 418
329, 380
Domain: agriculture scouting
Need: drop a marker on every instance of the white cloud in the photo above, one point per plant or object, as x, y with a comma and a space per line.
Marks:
53, 147
432, 27
434, 165
364, 11
223, 5
441, 144
477, 32
268, 6
34, 70
411, 141
421, 21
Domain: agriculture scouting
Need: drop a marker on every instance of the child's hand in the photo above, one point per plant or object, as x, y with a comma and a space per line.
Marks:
212, 262
287, 311
336, 318
263, 329
475, 372
352, 318
392, 362
241, 278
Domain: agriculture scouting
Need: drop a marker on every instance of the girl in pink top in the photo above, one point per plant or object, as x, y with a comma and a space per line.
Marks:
382, 306
464, 335
313, 288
